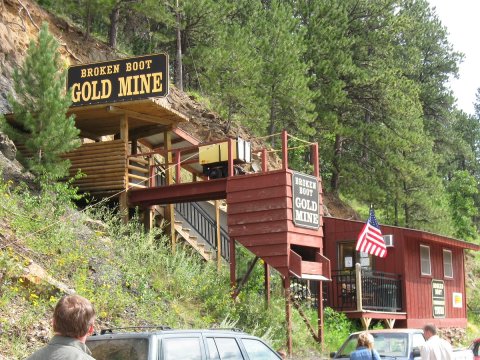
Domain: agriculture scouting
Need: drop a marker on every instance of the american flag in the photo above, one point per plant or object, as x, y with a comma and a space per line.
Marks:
370, 239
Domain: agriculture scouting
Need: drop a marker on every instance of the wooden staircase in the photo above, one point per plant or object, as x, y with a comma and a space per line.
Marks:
204, 244
194, 241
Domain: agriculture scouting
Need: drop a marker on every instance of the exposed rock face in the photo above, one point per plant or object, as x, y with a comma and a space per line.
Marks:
10, 168
17, 30
7, 147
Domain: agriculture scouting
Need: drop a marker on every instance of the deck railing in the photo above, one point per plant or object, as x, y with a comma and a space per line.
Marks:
204, 225
378, 291
362, 289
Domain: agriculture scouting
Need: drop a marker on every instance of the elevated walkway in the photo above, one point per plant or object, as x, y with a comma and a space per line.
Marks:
259, 213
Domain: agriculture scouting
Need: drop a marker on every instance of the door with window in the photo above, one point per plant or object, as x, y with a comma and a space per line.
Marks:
348, 257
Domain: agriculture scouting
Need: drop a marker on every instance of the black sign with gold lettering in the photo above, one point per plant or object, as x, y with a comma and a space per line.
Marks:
119, 80
305, 201
438, 298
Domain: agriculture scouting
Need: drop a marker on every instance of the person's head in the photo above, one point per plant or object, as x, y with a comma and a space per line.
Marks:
429, 330
74, 316
365, 339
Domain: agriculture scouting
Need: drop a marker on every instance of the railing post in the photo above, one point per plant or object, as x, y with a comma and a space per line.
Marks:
264, 161
151, 172
218, 235
178, 175
358, 285
284, 150
230, 157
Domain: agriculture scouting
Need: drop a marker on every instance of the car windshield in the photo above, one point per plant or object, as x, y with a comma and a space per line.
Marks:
392, 344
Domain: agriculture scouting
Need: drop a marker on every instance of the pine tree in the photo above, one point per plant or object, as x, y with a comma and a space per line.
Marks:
285, 80
40, 108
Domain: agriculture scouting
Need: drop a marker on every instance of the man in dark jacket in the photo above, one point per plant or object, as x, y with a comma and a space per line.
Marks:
73, 321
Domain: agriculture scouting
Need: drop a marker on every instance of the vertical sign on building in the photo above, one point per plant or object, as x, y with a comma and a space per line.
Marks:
305, 201
438, 298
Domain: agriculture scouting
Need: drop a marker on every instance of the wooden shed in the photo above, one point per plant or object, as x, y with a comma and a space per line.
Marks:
422, 278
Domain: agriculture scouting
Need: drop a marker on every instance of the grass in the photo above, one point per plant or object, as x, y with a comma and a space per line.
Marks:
131, 276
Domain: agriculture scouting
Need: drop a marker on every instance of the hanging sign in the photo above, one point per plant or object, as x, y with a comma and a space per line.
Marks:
438, 298
119, 80
305, 201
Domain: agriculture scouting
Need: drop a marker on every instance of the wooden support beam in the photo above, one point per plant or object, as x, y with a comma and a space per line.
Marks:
178, 162
169, 210
267, 284
288, 314
233, 265
320, 315
245, 278
123, 196
148, 218
366, 322
264, 160
218, 234
134, 114
390, 323
305, 320
358, 285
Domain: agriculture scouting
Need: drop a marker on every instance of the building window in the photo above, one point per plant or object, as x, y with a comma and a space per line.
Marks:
447, 264
425, 265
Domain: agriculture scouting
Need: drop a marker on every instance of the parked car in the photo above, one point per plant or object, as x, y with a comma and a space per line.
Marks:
475, 347
399, 344
167, 344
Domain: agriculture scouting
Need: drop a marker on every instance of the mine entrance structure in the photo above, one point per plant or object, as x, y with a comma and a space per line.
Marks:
134, 150
275, 213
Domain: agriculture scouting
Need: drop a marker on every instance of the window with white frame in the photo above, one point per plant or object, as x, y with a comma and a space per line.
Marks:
425, 264
447, 264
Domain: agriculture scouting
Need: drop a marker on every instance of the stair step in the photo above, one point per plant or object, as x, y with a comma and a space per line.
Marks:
186, 229
178, 222
193, 237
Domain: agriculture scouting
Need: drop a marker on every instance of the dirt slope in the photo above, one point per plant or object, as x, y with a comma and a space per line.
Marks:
19, 24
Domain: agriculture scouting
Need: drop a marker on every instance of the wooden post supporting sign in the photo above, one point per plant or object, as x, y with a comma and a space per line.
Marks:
123, 201
169, 209
267, 284
288, 314
218, 234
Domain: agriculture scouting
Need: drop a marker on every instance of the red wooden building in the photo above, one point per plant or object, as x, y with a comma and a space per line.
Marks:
422, 278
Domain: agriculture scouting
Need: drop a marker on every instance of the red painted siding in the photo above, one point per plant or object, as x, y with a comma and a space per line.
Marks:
404, 259
260, 218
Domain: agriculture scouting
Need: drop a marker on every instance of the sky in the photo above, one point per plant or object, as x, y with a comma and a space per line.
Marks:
460, 17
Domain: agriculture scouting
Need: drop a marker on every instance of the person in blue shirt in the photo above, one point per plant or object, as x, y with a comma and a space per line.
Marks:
365, 350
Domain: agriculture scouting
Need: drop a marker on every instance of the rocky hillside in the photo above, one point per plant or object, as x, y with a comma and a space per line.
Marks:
19, 24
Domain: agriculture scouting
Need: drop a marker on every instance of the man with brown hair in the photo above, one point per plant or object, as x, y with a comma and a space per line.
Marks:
73, 321
435, 348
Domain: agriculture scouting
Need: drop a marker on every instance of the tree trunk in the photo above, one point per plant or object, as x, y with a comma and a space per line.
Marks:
395, 205
113, 31
337, 154
88, 20
178, 60
271, 129
405, 206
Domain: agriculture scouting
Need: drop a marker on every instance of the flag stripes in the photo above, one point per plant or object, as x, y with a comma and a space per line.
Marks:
370, 239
